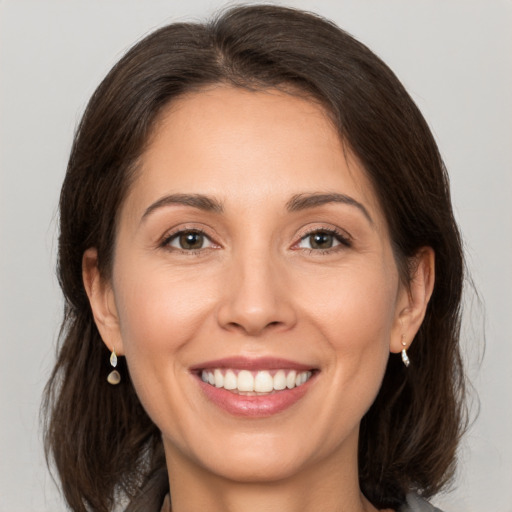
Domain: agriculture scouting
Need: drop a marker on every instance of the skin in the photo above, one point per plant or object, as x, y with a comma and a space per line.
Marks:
256, 287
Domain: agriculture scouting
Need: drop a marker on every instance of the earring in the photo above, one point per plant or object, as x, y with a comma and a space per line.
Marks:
114, 377
405, 357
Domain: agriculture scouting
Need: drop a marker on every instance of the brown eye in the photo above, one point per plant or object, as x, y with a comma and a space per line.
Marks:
321, 240
189, 241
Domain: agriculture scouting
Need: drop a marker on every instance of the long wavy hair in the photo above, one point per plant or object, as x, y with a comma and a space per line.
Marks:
99, 438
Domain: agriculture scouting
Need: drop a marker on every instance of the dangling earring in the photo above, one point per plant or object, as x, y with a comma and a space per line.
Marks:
405, 357
114, 377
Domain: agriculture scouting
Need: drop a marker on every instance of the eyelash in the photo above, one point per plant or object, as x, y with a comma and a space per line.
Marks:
166, 241
342, 237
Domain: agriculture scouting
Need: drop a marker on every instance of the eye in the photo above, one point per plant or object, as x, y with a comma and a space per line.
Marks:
190, 240
322, 240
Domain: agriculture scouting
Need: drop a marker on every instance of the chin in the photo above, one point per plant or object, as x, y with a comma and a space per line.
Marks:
255, 469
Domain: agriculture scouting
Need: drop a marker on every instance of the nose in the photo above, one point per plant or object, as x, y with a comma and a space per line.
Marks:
256, 298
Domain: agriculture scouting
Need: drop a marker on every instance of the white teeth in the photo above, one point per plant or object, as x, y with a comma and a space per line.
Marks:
260, 381
290, 379
263, 382
219, 378
245, 381
280, 380
230, 380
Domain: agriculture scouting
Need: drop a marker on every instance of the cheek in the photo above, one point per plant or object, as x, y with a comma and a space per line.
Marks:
356, 310
159, 312
355, 316
157, 307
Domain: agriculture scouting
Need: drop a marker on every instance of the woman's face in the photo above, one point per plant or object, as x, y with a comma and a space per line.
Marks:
252, 253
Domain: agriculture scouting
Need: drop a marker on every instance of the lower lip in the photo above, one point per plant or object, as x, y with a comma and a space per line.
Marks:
256, 406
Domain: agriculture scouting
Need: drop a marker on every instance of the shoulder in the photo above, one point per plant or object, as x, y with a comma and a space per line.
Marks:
416, 504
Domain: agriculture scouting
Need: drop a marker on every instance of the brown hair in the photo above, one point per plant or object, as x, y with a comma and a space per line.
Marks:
100, 439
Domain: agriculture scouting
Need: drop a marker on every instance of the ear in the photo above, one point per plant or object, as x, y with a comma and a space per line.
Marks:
101, 298
413, 299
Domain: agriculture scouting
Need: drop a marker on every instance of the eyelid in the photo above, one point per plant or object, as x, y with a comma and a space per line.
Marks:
177, 236
343, 237
173, 233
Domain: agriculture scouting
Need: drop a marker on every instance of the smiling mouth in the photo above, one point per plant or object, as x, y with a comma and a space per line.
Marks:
255, 383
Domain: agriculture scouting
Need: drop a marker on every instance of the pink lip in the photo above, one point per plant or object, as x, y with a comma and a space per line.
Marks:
252, 364
257, 406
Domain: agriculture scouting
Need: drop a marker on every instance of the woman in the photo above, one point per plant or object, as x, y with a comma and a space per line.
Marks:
263, 279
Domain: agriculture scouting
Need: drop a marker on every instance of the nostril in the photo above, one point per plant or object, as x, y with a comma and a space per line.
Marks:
254, 327
254, 312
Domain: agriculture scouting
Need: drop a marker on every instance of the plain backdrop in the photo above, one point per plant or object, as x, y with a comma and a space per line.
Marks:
455, 59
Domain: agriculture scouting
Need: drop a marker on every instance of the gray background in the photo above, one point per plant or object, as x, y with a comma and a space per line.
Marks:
455, 59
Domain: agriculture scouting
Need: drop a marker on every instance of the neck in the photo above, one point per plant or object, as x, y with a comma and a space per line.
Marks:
329, 485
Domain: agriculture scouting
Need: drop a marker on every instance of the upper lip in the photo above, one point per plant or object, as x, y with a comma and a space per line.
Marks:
252, 364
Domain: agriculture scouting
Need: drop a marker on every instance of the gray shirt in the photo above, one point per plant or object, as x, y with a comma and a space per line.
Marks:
417, 504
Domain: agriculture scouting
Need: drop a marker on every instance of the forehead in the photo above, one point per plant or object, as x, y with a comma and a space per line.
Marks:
247, 146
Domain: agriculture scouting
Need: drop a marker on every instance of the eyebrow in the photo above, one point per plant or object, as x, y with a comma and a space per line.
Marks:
297, 203
199, 201
304, 201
